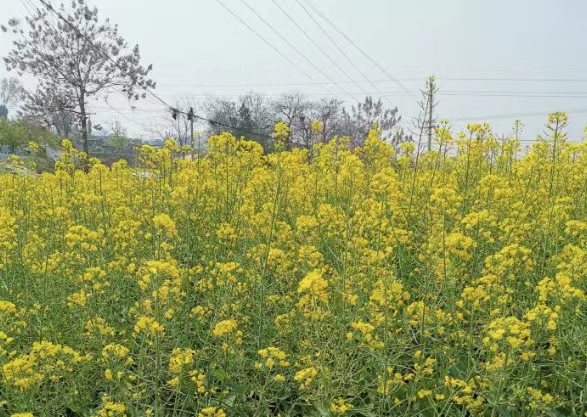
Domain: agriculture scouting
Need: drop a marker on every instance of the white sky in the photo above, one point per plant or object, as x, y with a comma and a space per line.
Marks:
198, 48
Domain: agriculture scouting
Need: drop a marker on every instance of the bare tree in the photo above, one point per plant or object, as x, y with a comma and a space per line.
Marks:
261, 111
52, 107
251, 116
179, 127
82, 56
11, 91
220, 110
364, 116
328, 112
289, 107
293, 109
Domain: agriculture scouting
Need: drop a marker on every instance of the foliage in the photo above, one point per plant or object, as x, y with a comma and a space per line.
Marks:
358, 282
119, 138
12, 135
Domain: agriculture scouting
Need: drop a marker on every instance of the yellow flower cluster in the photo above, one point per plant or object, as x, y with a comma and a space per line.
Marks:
274, 357
44, 361
212, 412
224, 328
148, 326
111, 409
340, 406
305, 377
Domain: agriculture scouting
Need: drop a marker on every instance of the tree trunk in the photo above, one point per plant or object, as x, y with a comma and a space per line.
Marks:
84, 124
82, 107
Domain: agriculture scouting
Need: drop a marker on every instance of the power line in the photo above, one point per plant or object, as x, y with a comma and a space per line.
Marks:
281, 54
510, 79
214, 122
339, 48
26, 7
371, 82
325, 18
291, 19
36, 8
326, 54
286, 84
289, 44
514, 94
123, 115
513, 116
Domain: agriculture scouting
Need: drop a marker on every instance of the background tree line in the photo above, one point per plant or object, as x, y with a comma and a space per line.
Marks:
254, 116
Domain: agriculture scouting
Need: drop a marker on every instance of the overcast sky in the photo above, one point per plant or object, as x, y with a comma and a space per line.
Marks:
496, 60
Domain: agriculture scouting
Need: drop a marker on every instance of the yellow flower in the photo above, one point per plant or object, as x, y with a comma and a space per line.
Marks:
149, 326
305, 376
281, 131
212, 412
313, 283
340, 406
224, 327
180, 358
111, 409
167, 226
317, 127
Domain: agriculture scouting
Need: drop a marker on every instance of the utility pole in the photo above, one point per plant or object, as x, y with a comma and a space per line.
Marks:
191, 119
178, 129
518, 126
430, 93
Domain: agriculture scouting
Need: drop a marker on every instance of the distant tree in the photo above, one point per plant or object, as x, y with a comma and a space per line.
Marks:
67, 63
52, 108
12, 135
119, 138
39, 134
293, 109
261, 112
244, 124
289, 107
251, 117
329, 113
220, 110
258, 119
11, 92
360, 120
180, 128
65, 127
